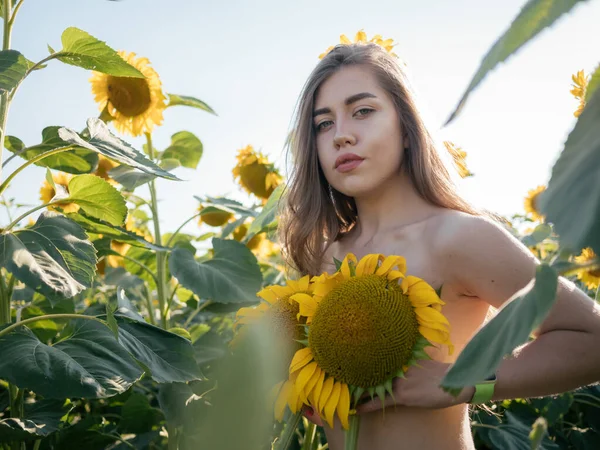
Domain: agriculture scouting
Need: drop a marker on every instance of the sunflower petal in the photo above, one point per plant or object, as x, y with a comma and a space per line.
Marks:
389, 263
332, 403
368, 264
308, 304
282, 400
343, 407
314, 395
301, 358
345, 269
394, 275
312, 383
325, 393
303, 377
431, 315
268, 295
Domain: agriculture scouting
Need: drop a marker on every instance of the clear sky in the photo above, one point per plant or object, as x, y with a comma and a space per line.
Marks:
249, 60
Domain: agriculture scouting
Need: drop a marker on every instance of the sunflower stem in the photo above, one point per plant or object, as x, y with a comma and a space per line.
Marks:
161, 256
351, 435
289, 431
309, 436
4, 97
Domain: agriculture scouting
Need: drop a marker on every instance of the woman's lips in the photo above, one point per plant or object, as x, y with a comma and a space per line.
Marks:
349, 165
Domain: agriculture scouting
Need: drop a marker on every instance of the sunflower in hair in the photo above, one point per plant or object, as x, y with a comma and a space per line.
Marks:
366, 325
361, 38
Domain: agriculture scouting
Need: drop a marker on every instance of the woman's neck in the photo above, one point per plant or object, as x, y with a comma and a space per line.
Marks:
394, 205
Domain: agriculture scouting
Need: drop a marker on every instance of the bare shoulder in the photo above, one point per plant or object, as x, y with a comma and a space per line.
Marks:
482, 256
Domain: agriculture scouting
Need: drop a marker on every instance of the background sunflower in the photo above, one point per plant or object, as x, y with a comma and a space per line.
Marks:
255, 173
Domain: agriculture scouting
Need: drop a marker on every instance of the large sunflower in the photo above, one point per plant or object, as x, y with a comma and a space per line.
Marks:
47, 192
459, 157
255, 173
361, 38
279, 313
580, 83
104, 166
531, 203
591, 278
135, 104
367, 324
216, 218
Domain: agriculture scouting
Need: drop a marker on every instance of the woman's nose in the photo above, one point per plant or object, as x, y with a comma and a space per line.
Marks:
343, 136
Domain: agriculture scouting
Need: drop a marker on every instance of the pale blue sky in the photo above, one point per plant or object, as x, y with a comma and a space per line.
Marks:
248, 60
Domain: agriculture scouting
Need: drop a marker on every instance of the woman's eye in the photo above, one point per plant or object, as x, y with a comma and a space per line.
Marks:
364, 111
323, 125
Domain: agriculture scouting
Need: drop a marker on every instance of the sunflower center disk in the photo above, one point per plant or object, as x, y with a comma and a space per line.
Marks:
129, 96
363, 331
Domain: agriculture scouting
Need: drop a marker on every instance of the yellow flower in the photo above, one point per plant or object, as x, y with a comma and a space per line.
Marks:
459, 157
47, 192
361, 37
278, 313
255, 174
580, 83
214, 218
104, 166
530, 203
591, 278
136, 104
367, 324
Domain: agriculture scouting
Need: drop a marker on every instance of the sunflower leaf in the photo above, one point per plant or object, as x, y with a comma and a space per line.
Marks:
77, 161
338, 263
98, 198
268, 216
54, 256
184, 100
111, 321
101, 140
131, 178
540, 233
572, 200
186, 148
509, 328
41, 419
358, 392
225, 204
532, 19
13, 68
593, 84
83, 50
232, 275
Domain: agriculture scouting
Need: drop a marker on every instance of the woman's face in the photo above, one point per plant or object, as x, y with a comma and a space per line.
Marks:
359, 138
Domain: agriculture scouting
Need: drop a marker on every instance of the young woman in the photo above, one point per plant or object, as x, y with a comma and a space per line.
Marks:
367, 179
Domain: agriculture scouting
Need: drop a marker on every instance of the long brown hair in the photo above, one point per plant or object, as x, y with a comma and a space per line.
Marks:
315, 215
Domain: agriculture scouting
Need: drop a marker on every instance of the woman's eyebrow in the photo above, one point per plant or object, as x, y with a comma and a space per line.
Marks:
352, 99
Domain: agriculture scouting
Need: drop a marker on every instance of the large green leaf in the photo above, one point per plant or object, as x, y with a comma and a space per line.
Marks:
181, 240
83, 50
146, 257
168, 356
593, 84
137, 416
185, 100
533, 18
41, 419
233, 275
98, 198
509, 328
131, 178
90, 363
186, 148
267, 218
101, 140
76, 161
54, 257
572, 200
13, 67
97, 226
213, 204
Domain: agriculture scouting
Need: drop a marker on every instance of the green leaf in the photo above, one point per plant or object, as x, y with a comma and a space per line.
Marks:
41, 419
137, 416
510, 328
146, 257
13, 68
97, 226
168, 356
185, 148
172, 399
103, 141
131, 178
54, 257
76, 161
572, 200
83, 50
268, 216
90, 363
111, 321
212, 204
181, 240
98, 198
125, 308
232, 276
184, 100
593, 84
533, 18
540, 233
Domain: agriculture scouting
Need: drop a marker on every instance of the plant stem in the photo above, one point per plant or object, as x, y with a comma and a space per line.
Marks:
4, 100
4, 185
179, 229
309, 436
48, 317
195, 313
286, 437
351, 435
4, 302
142, 266
161, 256
149, 305
37, 208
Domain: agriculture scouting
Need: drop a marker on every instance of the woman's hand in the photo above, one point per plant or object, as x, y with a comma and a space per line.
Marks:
312, 415
421, 388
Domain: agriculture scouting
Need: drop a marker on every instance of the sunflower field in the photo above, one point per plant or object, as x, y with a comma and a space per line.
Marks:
117, 334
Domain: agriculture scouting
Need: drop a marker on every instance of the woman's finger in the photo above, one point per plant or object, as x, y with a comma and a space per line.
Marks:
311, 415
